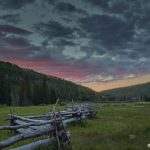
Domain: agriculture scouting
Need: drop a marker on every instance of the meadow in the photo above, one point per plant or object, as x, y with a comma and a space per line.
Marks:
118, 126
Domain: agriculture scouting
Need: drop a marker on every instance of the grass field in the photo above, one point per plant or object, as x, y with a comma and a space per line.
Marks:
117, 127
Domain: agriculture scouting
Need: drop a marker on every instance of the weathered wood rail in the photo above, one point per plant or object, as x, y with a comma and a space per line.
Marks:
51, 124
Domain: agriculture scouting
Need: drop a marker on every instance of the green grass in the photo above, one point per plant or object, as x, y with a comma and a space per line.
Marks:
109, 131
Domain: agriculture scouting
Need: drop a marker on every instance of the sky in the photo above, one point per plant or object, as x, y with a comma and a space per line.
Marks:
100, 44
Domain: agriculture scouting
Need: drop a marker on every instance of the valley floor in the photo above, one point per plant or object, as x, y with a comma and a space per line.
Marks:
122, 126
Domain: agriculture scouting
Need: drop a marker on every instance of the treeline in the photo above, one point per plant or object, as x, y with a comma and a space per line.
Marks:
140, 92
124, 98
25, 87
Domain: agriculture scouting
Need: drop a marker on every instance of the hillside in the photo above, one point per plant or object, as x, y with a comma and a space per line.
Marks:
20, 86
136, 92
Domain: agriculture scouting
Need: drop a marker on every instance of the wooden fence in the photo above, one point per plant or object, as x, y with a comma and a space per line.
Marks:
48, 126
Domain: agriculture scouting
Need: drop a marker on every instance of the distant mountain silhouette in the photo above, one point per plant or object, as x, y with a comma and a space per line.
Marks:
136, 92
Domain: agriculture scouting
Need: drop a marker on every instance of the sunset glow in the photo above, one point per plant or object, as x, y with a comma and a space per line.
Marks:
98, 44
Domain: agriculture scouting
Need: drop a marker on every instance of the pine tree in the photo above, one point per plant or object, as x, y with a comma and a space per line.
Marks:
45, 91
53, 96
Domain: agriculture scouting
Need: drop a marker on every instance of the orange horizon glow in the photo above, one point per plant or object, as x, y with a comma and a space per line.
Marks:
99, 86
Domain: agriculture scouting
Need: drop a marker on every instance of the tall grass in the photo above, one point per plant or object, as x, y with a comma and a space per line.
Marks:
111, 130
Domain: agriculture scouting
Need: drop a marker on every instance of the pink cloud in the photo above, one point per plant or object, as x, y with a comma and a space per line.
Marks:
52, 68
27, 63
7, 52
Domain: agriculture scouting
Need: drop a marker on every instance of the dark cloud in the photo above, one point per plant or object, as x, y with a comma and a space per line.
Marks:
134, 12
14, 42
12, 18
121, 35
92, 47
54, 29
51, 1
14, 30
98, 3
68, 20
64, 42
20, 48
68, 8
109, 30
14, 4
120, 7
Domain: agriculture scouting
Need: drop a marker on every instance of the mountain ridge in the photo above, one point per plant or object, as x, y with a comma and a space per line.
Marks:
21, 86
139, 92
122, 87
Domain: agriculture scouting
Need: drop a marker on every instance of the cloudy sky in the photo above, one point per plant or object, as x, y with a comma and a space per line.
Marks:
97, 43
